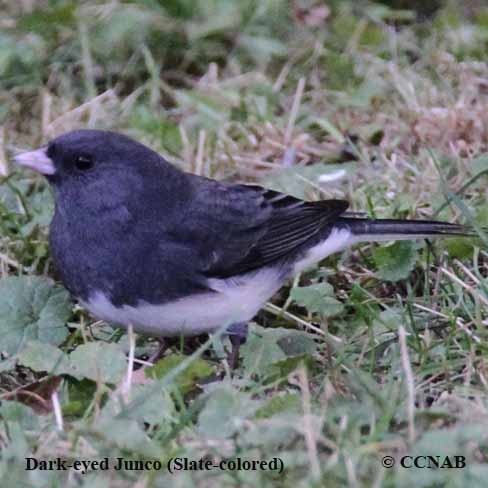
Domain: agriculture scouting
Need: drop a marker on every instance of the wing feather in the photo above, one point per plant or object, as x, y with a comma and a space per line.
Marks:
240, 228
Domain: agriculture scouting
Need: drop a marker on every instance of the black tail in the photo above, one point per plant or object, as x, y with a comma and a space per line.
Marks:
395, 229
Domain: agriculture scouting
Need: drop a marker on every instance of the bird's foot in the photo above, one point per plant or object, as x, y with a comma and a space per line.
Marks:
237, 335
158, 354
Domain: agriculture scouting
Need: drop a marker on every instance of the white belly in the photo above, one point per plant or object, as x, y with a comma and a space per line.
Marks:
233, 301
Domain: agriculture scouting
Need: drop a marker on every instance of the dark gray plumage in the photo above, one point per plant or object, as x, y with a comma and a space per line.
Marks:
131, 232
136, 227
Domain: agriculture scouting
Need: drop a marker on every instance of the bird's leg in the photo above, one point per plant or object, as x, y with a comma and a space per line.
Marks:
237, 335
158, 354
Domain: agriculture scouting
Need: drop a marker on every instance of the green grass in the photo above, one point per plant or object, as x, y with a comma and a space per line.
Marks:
378, 351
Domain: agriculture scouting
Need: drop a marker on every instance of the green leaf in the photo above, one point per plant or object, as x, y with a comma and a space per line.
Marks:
479, 164
459, 247
32, 308
387, 321
260, 351
266, 347
262, 49
126, 26
125, 433
186, 380
44, 357
44, 21
289, 402
159, 409
20, 56
225, 412
227, 19
361, 97
17, 412
149, 402
295, 342
79, 396
98, 361
272, 433
395, 262
318, 298
340, 71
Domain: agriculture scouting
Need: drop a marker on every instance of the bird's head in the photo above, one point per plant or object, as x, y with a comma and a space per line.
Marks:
96, 170
85, 155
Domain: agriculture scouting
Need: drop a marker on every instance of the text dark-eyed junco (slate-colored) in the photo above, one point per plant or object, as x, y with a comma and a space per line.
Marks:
137, 241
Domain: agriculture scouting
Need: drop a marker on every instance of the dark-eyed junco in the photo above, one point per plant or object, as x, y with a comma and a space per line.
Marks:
137, 241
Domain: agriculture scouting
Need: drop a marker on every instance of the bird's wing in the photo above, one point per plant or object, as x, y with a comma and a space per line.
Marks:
240, 228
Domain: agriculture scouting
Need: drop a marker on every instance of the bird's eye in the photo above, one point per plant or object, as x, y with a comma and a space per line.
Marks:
84, 162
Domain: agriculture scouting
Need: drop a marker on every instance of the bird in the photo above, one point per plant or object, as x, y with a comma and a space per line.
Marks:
139, 242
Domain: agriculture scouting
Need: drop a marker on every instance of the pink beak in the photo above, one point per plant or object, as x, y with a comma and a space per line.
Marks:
37, 160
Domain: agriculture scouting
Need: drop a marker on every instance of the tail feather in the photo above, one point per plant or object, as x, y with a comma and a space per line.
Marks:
395, 229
